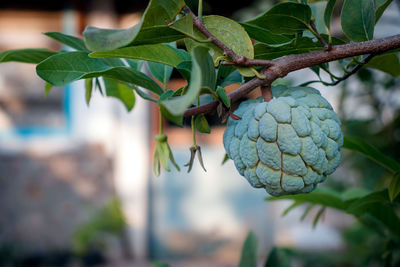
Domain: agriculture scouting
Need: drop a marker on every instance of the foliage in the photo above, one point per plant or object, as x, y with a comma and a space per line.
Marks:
108, 220
212, 52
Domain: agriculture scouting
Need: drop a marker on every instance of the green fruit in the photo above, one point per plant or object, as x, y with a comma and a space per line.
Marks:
287, 145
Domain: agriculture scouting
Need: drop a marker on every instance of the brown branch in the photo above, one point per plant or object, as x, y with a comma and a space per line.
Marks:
282, 66
237, 59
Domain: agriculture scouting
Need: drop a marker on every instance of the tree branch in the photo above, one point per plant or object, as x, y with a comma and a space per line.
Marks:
237, 59
280, 67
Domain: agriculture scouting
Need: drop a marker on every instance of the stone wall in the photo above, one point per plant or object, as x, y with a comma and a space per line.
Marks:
43, 199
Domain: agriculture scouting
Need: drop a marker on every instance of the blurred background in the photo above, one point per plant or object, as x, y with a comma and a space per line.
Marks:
76, 185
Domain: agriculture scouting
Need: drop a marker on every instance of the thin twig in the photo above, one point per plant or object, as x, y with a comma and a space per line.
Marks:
353, 71
237, 59
314, 31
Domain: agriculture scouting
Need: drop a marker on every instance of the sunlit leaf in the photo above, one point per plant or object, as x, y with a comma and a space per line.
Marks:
229, 32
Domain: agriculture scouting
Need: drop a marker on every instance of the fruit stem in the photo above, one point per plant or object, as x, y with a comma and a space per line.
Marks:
194, 132
266, 92
161, 123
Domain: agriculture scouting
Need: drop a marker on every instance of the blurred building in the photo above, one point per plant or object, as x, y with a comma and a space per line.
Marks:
61, 162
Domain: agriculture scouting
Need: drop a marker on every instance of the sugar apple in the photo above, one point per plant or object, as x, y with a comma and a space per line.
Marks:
287, 145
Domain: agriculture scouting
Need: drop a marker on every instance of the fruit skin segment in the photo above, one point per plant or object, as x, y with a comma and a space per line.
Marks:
287, 145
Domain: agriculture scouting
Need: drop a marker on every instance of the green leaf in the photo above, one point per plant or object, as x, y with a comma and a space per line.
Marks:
292, 206
177, 119
231, 33
166, 95
328, 13
185, 26
277, 258
249, 251
225, 159
156, 163
159, 264
47, 89
200, 71
377, 205
144, 95
159, 53
68, 40
388, 63
318, 216
380, 7
98, 86
120, 91
152, 29
394, 187
358, 19
284, 18
29, 55
354, 193
306, 211
88, 90
160, 71
163, 154
265, 36
67, 67
201, 124
223, 71
359, 145
319, 196
223, 97
303, 45
372, 198
185, 68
